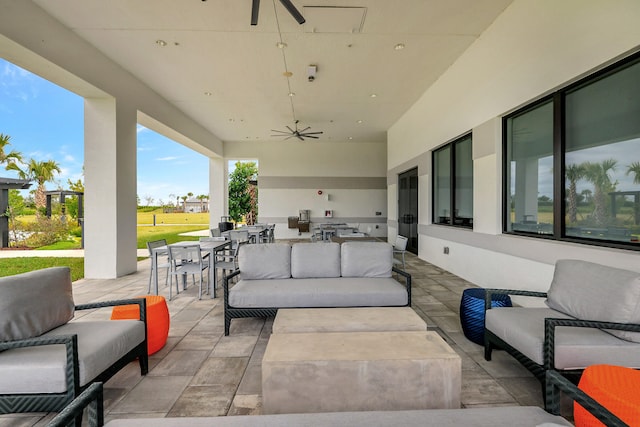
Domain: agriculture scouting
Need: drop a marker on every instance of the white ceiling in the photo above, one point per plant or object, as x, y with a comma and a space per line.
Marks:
212, 48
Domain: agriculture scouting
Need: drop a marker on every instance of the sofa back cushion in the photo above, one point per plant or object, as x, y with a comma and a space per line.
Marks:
265, 261
590, 291
366, 259
309, 260
34, 303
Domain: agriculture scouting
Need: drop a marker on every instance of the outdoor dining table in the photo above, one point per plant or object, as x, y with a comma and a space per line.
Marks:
211, 247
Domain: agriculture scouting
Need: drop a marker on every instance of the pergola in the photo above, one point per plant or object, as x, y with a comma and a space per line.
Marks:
7, 184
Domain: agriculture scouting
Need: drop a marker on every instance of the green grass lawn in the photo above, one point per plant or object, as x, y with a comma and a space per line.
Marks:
11, 266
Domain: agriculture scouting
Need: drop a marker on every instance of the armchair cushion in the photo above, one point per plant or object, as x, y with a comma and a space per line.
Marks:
265, 261
35, 302
589, 291
309, 260
42, 369
575, 348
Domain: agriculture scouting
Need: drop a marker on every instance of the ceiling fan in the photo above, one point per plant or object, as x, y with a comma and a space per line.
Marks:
300, 134
255, 7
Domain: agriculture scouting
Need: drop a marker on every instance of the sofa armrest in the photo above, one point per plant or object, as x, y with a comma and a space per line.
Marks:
225, 285
407, 282
550, 324
519, 292
70, 343
556, 383
91, 399
139, 301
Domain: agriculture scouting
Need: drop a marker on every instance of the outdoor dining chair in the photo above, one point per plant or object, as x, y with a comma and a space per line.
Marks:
155, 261
399, 249
185, 260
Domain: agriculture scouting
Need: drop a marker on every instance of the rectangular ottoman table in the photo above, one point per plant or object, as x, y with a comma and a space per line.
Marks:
360, 319
359, 371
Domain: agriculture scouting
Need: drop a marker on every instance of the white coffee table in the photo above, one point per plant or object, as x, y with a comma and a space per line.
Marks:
359, 371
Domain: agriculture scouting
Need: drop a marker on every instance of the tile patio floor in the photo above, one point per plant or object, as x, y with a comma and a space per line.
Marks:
200, 372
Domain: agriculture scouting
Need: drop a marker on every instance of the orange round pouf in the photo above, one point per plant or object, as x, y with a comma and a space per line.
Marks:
615, 388
157, 320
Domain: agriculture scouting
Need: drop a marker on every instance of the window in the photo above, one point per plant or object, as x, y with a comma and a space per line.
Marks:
453, 183
572, 162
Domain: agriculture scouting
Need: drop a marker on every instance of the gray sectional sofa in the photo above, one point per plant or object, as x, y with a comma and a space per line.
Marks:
513, 416
313, 275
46, 358
592, 316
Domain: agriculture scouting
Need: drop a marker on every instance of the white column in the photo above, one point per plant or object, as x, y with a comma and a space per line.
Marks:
110, 188
218, 190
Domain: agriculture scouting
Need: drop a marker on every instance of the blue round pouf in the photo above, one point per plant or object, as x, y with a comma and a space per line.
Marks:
472, 312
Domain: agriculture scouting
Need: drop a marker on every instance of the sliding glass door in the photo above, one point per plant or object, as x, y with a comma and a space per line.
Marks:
408, 208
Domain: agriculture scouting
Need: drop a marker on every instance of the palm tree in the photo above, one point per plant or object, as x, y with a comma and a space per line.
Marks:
573, 173
41, 172
12, 156
202, 198
598, 175
634, 168
184, 203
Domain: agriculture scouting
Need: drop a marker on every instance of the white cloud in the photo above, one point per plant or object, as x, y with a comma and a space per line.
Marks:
168, 158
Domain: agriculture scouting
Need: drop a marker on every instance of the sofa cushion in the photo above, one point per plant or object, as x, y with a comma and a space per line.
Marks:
35, 302
320, 292
42, 369
576, 348
589, 291
315, 260
265, 261
366, 259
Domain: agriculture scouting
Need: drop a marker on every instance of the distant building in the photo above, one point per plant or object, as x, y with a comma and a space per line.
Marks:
194, 205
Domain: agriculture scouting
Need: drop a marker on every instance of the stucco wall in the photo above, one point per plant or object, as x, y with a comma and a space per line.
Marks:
353, 175
533, 48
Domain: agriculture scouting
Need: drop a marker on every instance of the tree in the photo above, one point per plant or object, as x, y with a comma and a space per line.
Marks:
184, 203
72, 202
598, 175
148, 200
41, 172
11, 157
574, 174
202, 198
634, 168
240, 194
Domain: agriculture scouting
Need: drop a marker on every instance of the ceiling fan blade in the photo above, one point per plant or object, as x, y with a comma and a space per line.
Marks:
281, 131
312, 133
300, 137
293, 11
255, 7
311, 136
292, 131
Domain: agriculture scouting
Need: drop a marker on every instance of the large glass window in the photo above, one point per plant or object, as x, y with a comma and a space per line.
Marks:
530, 170
574, 161
453, 183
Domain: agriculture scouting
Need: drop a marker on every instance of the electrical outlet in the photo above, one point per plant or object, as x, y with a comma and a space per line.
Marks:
446, 250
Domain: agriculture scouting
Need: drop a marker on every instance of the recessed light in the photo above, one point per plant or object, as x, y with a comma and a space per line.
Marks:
373, 95
161, 43
208, 93
359, 121
287, 74
350, 138
292, 94
399, 46
281, 45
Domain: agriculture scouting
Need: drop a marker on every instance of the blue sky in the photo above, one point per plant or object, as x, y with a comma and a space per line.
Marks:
46, 122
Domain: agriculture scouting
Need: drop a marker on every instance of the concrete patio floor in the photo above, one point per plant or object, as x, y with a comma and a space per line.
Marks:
200, 372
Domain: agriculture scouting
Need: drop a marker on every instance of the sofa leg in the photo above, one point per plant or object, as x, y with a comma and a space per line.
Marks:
487, 350
227, 325
144, 364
